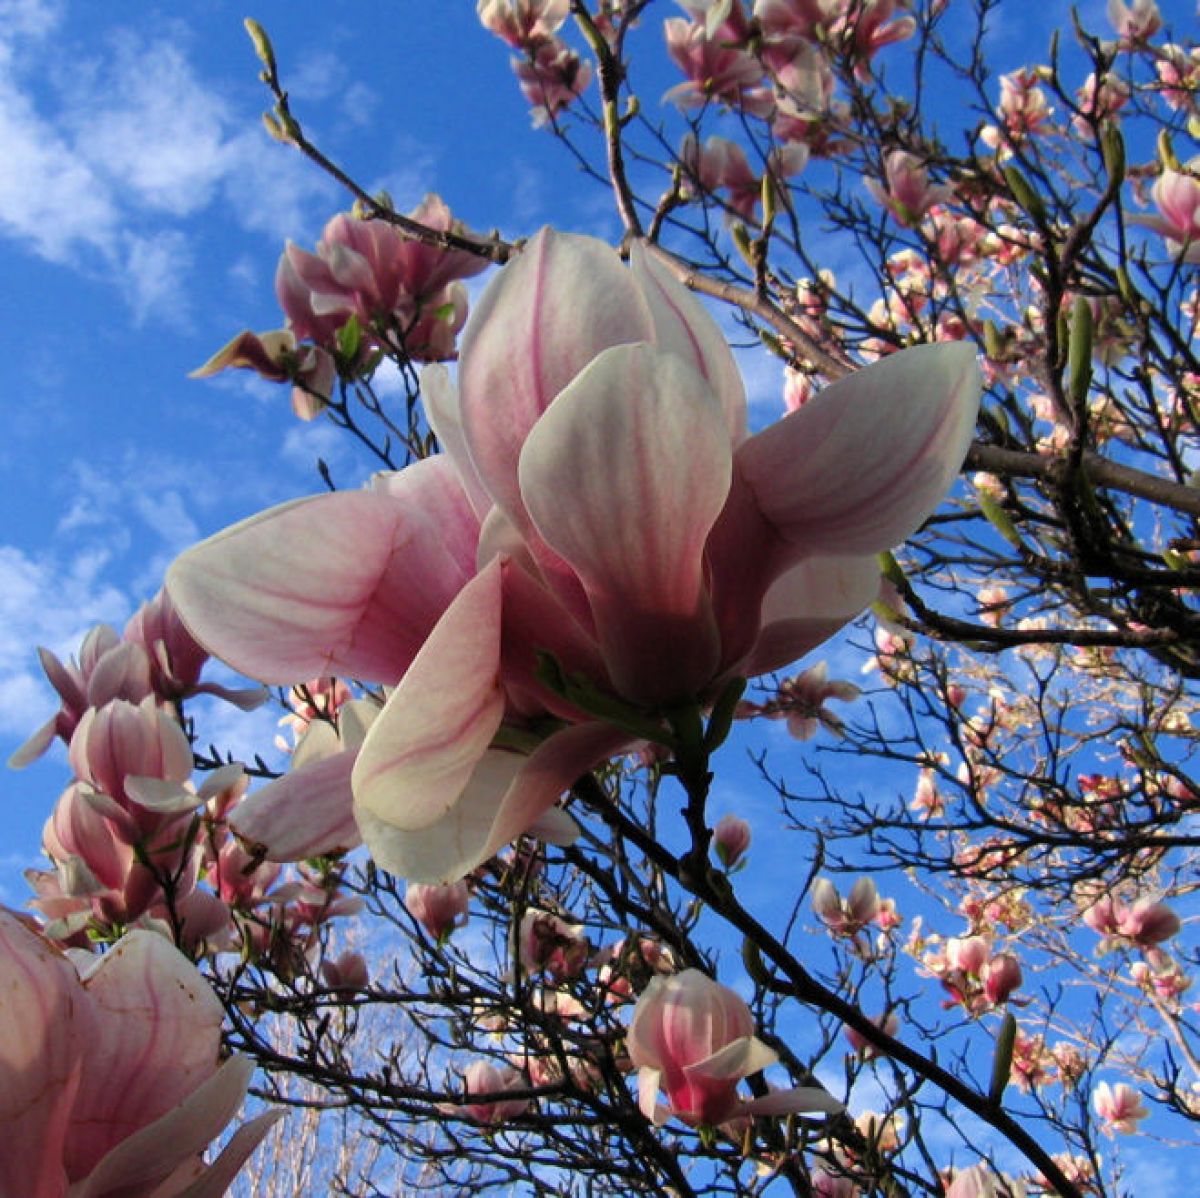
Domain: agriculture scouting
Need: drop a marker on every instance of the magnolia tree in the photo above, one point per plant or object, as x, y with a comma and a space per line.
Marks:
492, 913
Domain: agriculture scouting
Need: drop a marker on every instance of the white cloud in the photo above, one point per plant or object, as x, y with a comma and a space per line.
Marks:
102, 164
46, 600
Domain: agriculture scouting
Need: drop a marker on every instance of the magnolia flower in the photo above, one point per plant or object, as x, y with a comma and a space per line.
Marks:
483, 1078
438, 909
980, 1181
1177, 198
546, 942
906, 191
598, 506
694, 1039
845, 917
1134, 22
112, 1081
1118, 1107
731, 839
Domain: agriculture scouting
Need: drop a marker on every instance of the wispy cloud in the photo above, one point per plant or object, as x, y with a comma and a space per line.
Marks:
104, 164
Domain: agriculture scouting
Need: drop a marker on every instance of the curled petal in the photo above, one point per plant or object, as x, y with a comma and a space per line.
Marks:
157, 1037
306, 813
432, 797
860, 467
42, 1040
155, 1151
683, 327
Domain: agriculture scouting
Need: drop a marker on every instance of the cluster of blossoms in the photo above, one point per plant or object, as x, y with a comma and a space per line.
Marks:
123, 835
550, 73
132, 840
976, 978
369, 288
113, 1083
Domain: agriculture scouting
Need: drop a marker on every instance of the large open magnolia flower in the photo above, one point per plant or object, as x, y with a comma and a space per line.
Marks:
599, 501
111, 1083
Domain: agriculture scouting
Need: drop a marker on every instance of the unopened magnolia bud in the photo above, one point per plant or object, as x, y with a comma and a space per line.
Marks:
731, 839
262, 43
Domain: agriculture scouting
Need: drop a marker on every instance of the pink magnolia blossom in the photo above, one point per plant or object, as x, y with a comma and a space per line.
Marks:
714, 68
906, 191
112, 1082
889, 1024
1118, 1107
278, 357
1177, 197
346, 973
825, 1185
108, 668
694, 1039
176, 660
845, 917
1178, 70
1136, 22
981, 1181
731, 839
1145, 923
399, 289
438, 909
484, 1078
551, 78
870, 25
523, 23
547, 943
590, 398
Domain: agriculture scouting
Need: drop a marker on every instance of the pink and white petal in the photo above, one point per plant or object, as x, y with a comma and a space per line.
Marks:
160, 795
43, 1035
425, 744
150, 1155
808, 604
860, 467
435, 488
649, 1083
554, 826
445, 419
539, 322
739, 1058
215, 1179
349, 583
35, 746
683, 327
806, 1100
157, 1036
506, 795
624, 477
308, 812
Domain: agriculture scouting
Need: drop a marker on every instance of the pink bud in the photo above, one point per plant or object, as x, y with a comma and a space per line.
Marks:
485, 1078
346, 973
731, 839
889, 1024
1001, 976
438, 909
